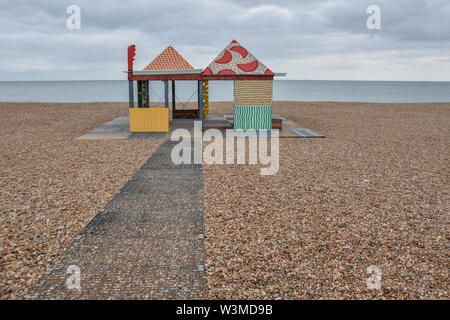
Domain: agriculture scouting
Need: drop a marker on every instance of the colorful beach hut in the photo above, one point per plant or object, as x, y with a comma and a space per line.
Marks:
252, 92
253, 88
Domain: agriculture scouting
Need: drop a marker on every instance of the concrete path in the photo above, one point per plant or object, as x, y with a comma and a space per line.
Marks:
147, 243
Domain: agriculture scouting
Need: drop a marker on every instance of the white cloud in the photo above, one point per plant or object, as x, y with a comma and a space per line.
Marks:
265, 11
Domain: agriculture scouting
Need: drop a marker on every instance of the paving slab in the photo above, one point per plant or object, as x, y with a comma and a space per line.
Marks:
300, 132
147, 135
119, 128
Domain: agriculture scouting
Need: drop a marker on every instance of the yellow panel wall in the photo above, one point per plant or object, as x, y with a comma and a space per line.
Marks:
149, 119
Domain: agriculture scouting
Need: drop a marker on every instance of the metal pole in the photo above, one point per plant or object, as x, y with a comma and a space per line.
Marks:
173, 96
166, 93
147, 94
139, 88
200, 99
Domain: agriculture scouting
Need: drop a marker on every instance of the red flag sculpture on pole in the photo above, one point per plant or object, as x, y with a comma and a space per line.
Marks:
131, 55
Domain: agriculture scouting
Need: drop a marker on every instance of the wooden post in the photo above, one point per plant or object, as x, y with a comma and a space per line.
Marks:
139, 88
131, 93
200, 100
166, 93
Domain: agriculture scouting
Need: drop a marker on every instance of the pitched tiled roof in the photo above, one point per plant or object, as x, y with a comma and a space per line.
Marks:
169, 59
235, 59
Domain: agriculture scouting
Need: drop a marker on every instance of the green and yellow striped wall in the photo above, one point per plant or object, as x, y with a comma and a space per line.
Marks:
253, 104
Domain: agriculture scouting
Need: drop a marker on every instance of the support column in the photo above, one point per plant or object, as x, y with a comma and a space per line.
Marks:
166, 93
131, 93
198, 94
173, 97
139, 89
146, 96
200, 100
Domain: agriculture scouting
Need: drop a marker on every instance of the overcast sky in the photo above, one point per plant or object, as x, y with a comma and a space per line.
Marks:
307, 39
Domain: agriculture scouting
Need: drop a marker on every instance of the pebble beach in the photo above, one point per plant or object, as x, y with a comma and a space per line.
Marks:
374, 192
52, 185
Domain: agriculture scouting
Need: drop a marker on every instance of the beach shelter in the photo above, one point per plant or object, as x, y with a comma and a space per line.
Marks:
167, 66
253, 87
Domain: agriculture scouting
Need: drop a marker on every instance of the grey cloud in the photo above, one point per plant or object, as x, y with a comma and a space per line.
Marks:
37, 45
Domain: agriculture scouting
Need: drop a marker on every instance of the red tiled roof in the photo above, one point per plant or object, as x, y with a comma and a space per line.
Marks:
169, 59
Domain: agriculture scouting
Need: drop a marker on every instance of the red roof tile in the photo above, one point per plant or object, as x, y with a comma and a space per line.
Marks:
169, 59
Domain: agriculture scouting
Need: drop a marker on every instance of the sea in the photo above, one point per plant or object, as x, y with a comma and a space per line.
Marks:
292, 90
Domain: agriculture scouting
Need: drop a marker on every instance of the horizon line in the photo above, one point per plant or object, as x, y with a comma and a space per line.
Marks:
360, 80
